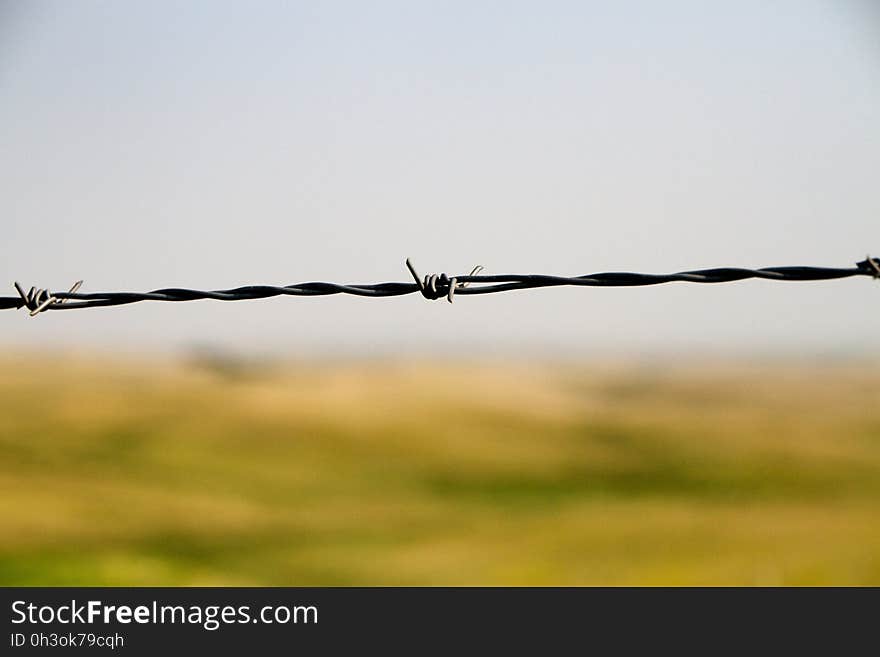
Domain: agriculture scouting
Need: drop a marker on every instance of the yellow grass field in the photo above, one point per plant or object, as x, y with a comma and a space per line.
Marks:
128, 472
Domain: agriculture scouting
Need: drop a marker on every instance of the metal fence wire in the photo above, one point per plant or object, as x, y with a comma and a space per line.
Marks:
432, 286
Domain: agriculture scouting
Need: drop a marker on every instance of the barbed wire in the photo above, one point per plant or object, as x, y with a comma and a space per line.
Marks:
432, 286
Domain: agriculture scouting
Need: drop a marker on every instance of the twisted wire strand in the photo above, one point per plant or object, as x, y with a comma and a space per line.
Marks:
433, 286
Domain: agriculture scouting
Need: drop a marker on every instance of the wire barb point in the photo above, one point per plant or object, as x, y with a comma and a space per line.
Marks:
872, 265
38, 300
436, 286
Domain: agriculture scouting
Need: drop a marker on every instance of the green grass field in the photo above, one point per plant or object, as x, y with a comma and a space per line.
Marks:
134, 473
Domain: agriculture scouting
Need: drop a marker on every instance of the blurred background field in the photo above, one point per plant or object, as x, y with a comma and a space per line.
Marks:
211, 470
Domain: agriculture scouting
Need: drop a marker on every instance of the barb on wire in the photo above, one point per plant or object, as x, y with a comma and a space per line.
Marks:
432, 286
873, 264
38, 300
435, 286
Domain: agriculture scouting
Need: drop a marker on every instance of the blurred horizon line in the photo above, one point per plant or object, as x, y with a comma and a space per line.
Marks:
197, 353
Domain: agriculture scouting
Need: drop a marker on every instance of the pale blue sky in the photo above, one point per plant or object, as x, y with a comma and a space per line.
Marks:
214, 144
